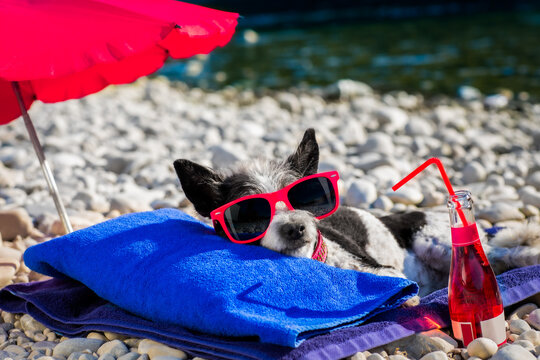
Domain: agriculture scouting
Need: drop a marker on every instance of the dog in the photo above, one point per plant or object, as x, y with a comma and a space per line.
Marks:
415, 245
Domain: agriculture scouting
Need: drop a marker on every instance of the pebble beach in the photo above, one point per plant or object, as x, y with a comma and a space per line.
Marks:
112, 154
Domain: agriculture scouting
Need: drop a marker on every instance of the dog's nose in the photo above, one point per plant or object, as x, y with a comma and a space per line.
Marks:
292, 231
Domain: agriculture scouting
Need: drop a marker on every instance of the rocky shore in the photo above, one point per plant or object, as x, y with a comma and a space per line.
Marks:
112, 154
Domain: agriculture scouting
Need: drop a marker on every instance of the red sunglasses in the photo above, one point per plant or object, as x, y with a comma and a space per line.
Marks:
247, 219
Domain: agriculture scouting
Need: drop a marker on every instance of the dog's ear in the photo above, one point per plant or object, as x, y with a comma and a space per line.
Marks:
200, 184
306, 158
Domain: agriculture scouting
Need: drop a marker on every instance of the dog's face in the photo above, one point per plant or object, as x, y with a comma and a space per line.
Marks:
290, 232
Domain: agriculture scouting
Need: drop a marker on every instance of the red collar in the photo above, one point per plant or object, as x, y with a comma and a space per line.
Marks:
321, 251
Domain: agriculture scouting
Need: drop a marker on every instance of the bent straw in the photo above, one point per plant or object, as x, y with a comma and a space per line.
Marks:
444, 176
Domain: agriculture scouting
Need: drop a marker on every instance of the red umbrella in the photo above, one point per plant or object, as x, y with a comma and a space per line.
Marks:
54, 50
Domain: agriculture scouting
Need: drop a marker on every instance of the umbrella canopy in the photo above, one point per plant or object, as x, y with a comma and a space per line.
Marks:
55, 50
64, 49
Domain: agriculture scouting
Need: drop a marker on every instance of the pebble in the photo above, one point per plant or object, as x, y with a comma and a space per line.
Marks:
154, 349
373, 139
519, 326
361, 193
482, 348
500, 211
115, 347
534, 319
513, 352
69, 346
531, 335
15, 222
436, 355
407, 195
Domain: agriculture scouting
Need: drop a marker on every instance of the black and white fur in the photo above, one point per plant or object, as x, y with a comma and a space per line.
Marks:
415, 245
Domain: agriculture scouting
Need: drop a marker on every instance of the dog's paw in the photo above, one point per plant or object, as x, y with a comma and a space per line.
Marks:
415, 300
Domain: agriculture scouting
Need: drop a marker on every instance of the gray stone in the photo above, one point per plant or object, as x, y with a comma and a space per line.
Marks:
523, 310
374, 357
85, 356
43, 345
436, 355
531, 335
482, 348
534, 180
519, 326
116, 348
69, 346
513, 352
129, 356
526, 344
15, 349
106, 356
534, 319
397, 357
75, 355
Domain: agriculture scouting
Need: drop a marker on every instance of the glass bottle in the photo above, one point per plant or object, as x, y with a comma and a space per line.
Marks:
474, 299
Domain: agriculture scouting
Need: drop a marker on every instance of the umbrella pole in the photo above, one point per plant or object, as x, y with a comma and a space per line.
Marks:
43, 162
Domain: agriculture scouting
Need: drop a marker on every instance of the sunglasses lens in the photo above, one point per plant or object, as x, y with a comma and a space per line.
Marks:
316, 195
248, 219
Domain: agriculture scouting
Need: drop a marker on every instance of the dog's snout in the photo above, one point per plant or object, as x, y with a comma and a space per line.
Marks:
292, 231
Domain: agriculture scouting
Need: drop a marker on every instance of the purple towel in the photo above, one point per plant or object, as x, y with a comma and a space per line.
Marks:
72, 309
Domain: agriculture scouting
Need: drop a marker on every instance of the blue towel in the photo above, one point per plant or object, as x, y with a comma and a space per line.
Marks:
171, 268
70, 308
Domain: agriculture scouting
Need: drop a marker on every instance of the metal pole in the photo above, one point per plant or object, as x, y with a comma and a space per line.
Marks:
43, 162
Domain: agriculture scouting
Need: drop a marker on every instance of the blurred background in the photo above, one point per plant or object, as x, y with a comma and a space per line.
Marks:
432, 47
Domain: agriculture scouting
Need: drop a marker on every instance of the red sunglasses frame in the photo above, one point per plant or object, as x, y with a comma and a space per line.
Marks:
218, 215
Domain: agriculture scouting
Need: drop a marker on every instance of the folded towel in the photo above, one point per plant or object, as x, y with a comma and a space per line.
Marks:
72, 309
172, 269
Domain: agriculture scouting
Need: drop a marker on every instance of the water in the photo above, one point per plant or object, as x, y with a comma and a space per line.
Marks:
431, 55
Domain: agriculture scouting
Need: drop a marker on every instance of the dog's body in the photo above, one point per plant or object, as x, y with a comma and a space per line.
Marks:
415, 245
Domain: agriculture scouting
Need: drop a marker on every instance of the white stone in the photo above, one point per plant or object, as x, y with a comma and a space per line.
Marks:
391, 118
155, 349
347, 89
469, 93
500, 211
383, 203
436, 355
407, 195
378, 142
474, 172
374, 357
361, 193
482, 347
529, 196
513, 352
526, 344
115, 347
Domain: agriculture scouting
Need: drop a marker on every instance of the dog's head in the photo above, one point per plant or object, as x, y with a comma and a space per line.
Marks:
290, 232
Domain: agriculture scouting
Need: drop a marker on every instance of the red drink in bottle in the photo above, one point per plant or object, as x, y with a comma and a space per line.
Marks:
474, 299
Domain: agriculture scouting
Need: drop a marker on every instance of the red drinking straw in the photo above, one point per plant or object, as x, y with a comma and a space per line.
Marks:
440, 166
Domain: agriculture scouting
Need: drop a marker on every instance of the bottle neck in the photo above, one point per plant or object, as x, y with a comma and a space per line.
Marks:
462, 234
462, 202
